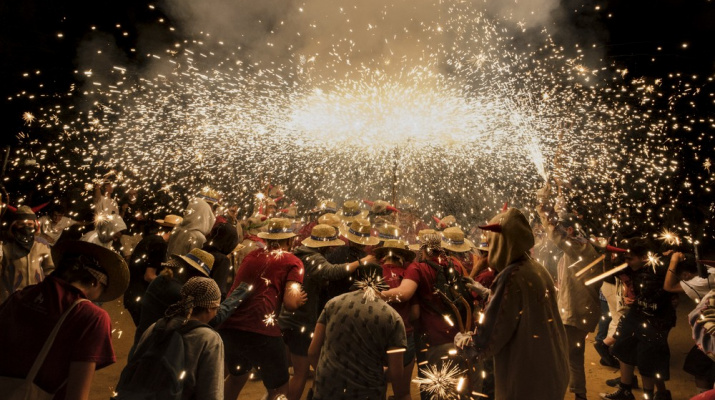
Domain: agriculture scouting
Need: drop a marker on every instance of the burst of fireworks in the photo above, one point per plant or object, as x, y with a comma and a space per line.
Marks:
669, 237
270, 319
440, 382
653, 260
372, 285
28, 117
473, 121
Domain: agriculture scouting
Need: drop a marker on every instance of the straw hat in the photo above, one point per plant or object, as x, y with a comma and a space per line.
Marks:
397, 247
278, 229
211, 196
388, 231
351, 211
170, 220
407, 203
325, 206
289, 212
453, 240
330, 219
359, 232
110, 263
322, 235
445, 222
420, 235
199, 259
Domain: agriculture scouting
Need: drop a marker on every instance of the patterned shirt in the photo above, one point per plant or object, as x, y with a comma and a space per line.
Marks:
358, 333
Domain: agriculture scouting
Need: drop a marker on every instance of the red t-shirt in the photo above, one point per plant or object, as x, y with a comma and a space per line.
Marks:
268, 272
431, 322
28, 317
392, 274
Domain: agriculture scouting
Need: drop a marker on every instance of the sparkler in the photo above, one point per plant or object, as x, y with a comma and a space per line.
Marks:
440, 382
669, 237
372, 284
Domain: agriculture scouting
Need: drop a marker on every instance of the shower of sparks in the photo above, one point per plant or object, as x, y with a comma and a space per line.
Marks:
468, 125
270, 319
28, 118
669, 237
440, 383
372, 284
653, 261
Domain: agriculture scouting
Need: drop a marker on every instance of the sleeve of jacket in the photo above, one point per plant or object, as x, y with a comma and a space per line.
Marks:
507, 322
316, 265
209, 372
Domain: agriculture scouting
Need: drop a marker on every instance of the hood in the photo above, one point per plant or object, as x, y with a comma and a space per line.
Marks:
107, 226
514, 240
198, 216
223, 238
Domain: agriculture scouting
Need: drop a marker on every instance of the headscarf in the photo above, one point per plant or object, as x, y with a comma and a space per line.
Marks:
196, 292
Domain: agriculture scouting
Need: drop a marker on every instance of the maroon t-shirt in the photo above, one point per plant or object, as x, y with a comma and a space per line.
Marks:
392, 274
268, 272
432, 322
28, 317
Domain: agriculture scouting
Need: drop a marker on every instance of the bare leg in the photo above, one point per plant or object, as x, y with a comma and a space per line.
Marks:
301, 368
233, 385
627, 374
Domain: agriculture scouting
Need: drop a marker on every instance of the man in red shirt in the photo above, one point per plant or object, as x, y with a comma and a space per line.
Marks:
251, 336
85, 271
419, 278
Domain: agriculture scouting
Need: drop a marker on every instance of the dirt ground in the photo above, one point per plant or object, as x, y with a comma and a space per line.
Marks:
681, 384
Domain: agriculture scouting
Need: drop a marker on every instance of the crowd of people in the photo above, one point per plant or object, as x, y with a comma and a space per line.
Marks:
357, 296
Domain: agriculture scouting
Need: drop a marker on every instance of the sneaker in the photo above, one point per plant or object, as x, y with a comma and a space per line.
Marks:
662, 395
607, 360
620, 394
616, 382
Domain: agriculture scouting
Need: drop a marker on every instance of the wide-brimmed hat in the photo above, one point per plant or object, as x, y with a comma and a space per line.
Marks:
397, 247
325, 206
446, 222
111, 264
278, 229
359, 232
330, 219
453, 240
422, 233
388, 231
407, 203
170, 220
199, 259
351, 211
322, 235
210, 195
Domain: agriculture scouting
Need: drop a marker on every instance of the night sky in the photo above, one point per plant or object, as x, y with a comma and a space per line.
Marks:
648, 38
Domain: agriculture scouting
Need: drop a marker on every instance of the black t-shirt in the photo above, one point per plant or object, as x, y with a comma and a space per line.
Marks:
652, 301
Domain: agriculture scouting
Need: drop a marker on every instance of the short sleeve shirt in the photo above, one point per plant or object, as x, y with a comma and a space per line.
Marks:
432, 322
392, 275
28, 317
268, 272
358, 333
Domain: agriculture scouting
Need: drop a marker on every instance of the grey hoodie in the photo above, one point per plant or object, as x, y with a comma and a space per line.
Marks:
191, 234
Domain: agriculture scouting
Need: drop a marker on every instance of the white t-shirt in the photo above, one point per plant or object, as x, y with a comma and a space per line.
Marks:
54, 232
696, 288
106, 206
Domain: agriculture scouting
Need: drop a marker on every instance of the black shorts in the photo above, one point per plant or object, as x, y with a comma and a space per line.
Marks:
699, 365
246, 350
298, 342
643, 344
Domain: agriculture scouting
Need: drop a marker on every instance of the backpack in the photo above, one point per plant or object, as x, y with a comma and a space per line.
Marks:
453, 287
156, 370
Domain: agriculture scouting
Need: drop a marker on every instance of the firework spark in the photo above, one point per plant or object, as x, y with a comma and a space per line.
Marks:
440, 382
669, 237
